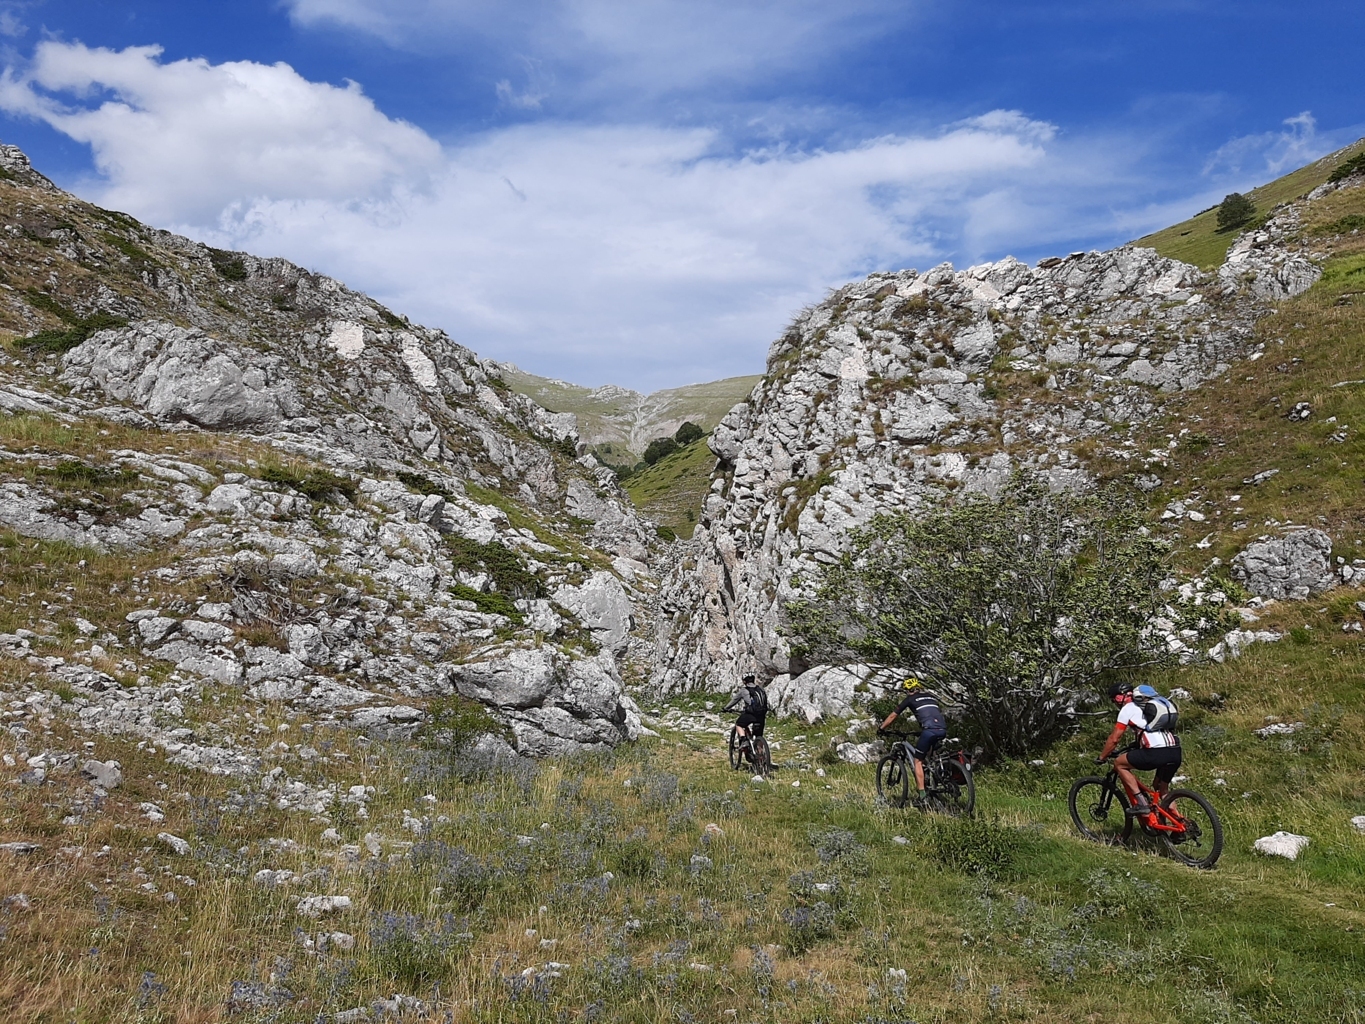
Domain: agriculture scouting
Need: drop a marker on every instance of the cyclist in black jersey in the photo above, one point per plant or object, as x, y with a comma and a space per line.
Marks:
933, 726
752, 704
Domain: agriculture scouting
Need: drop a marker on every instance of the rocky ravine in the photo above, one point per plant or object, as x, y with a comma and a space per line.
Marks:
903, 387
319, 502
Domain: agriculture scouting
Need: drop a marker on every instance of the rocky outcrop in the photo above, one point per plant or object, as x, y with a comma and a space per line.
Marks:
455, 535
902, 388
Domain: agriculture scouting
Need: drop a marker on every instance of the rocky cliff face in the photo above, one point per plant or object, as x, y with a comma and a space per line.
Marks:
317, 502
904, 387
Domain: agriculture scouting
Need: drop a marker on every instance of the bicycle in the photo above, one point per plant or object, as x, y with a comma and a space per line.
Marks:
948, 783
753, 749
1184, 820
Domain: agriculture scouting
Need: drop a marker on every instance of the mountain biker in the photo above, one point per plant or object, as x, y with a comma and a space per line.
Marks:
752, 703
1158, 748
933, 726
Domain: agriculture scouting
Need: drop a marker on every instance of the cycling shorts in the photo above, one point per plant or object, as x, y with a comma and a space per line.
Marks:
929, 738
1165, 760
751, 724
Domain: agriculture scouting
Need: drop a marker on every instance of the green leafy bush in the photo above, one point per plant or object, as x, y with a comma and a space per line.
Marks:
688, 433
1234, 211
1012, 607
658, 448
977, 846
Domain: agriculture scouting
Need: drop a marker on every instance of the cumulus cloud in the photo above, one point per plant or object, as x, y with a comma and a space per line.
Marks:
633, 253
182, 140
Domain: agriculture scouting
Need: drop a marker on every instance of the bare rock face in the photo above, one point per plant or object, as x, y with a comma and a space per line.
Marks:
436, 477
1292, 567
904, 387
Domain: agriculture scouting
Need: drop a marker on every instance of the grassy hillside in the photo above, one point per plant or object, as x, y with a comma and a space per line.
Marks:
1198, 239
671, 491
1237, 427
628, 420
656, 885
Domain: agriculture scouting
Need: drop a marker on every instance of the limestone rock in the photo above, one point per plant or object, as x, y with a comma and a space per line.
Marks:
1282, 844
1290, 567
601, 604
106, 774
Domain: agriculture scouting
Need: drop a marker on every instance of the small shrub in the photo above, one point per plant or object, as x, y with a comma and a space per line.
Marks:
808, 926
634, 858
1234, 211
1301, 635
1355, 165
417, 482
664, 533
488, 602
510, 576
80, 328
314, 482
228, 265
414, 948
974, 845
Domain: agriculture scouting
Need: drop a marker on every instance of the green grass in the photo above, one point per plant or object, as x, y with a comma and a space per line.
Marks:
672, 490
1198, 239
803, 909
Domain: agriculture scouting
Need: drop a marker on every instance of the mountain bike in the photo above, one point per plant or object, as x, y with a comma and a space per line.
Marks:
1184, 821
948, 783
752, 750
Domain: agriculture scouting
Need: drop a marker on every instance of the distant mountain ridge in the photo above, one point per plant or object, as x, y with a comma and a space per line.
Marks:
626, 419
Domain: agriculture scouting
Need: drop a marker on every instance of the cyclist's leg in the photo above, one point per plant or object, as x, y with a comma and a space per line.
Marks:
924, 746
1129, 780
1165, 772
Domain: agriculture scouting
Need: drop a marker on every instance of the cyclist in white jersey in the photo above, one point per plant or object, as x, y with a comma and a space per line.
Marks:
1157, 750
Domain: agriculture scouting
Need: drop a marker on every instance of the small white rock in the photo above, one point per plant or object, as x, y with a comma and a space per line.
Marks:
1358, 823
1281, 844
177, 845
316, 906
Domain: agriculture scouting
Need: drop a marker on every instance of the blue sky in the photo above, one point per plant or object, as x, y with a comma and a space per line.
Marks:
643, 192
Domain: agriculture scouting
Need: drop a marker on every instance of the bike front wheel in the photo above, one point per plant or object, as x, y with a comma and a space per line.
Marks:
736, 750
1201, 842
954, 789
763, 756
1099, 810
893, 780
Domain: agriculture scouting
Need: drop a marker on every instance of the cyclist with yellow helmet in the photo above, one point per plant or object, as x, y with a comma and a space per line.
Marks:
933, 726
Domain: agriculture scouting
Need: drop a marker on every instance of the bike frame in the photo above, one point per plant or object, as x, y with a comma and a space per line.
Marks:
1161, 819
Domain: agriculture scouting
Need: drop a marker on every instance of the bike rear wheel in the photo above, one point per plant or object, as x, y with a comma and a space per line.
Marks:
1100, 812
953, 790
763, 756
1201, 844
736, 751
893, 780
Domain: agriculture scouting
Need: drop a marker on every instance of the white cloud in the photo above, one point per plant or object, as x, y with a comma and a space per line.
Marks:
1269, 154
610, 52
184, 139
630, 253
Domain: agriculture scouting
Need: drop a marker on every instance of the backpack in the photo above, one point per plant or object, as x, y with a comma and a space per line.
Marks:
757, 703
1159, 713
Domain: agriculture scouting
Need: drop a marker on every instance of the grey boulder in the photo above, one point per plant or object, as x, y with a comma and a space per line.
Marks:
1290, 567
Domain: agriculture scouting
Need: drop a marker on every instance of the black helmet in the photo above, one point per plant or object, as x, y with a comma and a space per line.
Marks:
1119, 689
749, 680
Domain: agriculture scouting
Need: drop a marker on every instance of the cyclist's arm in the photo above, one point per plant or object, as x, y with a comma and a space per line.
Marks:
1113, 741
887, 724
733, 705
